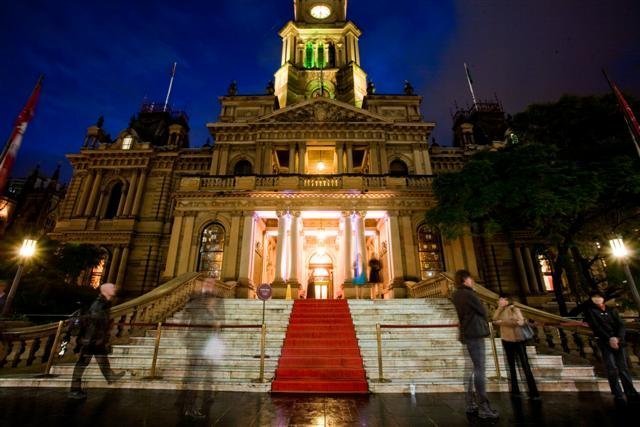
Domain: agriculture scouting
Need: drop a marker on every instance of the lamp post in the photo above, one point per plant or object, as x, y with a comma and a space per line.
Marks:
27, 250
619, 250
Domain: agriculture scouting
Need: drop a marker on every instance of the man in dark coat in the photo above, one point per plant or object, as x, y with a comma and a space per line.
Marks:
474, 328
609, 331
94, 339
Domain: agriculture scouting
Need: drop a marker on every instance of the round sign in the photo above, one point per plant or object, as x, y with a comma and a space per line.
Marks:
264, 291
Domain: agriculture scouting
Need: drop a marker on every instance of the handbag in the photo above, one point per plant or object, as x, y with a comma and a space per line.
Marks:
526, 331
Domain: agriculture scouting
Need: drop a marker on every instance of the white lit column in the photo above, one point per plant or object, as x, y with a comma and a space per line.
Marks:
301, 161
135, 210
340, 155
113, 265
123, 267
84, 193
348, 251
362, 245
282, 216
246, 251
292, 158
295, 230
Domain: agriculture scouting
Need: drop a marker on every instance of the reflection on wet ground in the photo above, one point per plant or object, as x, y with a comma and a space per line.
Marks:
121, 407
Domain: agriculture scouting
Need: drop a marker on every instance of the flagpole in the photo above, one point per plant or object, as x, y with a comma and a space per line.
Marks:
173, 74
473, 95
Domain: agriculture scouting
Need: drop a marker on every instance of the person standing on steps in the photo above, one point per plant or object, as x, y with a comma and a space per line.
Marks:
610, 335
474, 328
375, 277
510, 319
94, 338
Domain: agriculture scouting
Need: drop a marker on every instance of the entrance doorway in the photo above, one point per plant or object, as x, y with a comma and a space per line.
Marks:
320, 276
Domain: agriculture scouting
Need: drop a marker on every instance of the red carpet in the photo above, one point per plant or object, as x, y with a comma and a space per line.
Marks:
320, 352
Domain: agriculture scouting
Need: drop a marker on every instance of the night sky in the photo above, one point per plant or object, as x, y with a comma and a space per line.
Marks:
105, 58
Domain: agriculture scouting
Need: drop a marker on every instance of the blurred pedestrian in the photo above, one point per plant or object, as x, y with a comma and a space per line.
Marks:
474, 328
94, 337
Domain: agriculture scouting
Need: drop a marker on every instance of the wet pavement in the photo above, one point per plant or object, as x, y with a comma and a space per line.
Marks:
124, 407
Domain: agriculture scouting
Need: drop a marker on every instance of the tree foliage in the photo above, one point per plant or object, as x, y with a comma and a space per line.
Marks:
574, 180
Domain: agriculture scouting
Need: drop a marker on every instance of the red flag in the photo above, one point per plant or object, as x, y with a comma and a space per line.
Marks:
629, 117
10, 150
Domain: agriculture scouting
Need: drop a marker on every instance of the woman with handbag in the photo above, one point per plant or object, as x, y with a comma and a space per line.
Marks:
514, 332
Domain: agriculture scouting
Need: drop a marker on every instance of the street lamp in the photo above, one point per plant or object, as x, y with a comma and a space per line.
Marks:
27, 250
619, 250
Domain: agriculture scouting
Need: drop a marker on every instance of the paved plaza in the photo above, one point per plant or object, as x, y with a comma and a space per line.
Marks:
122, 407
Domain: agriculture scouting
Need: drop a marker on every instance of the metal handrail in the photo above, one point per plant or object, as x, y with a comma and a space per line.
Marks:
379, 327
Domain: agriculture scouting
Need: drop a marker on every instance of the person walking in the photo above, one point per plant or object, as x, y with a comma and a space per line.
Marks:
375, 276
474, 328
94, 340
510, 320
610, 335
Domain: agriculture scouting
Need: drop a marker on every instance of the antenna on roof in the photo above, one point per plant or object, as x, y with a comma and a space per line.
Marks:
173, 74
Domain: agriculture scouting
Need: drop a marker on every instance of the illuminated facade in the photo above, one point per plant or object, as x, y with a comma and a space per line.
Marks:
304, 184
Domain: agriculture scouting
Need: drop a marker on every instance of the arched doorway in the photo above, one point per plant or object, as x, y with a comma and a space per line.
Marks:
320, 276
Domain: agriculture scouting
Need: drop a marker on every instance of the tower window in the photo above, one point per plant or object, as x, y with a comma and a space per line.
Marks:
127, 142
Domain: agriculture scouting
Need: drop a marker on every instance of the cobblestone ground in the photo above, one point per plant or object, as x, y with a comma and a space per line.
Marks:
123, 407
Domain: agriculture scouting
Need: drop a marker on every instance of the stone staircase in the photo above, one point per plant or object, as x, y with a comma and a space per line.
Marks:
432, 360
226, 359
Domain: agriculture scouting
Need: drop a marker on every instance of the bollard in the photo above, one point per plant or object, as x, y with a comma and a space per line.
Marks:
494, 350
53, 352
156, 349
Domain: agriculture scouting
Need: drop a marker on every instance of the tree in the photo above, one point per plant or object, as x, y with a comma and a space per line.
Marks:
574, 180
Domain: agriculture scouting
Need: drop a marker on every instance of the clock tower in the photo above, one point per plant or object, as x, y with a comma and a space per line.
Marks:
320, 55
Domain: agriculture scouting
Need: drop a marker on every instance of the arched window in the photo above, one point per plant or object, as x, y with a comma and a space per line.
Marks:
97, 274
398, 168
114, 201
243, 168
429, 252
211, 250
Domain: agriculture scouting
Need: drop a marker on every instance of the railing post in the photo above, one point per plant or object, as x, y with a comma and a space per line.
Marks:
494, 350
53, 351
381, 377
156, 349
263, 337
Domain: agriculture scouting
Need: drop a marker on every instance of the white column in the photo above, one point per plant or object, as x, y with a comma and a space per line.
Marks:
362, 244
95, 189
295, 230
340, 155
185, 245
282, 216
246, 251
348, 251
131, 193
417, 160
395, 248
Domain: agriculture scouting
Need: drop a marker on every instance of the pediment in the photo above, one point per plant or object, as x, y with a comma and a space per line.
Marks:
323, 110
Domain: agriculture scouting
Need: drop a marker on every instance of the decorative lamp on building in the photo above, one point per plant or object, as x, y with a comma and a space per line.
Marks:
620, 251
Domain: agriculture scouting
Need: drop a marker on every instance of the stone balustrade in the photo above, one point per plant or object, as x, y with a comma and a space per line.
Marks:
29, 346
306, 182
552, 332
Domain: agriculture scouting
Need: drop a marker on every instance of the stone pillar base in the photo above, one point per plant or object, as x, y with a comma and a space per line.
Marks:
350, 291
245, 288
279, 289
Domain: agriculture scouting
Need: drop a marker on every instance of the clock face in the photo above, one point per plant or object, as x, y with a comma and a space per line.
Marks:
320, 11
